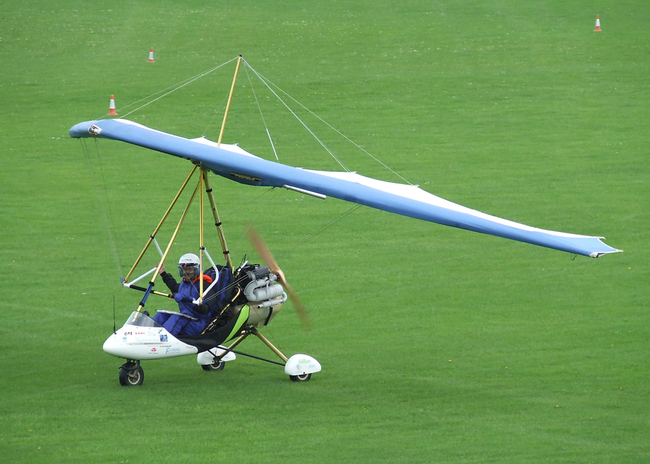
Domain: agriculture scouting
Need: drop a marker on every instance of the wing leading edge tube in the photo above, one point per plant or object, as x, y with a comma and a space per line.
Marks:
234, 163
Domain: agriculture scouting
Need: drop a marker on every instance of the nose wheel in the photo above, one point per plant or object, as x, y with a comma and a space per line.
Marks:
131, 374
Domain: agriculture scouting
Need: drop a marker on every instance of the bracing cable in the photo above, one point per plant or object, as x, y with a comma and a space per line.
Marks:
174, 88
266, 127
101, 193
268, 84
263, 80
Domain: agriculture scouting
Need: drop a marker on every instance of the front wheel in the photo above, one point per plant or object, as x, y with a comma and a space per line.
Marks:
131, 375
300, 378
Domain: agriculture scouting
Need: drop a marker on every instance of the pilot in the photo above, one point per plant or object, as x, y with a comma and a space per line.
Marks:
184, 293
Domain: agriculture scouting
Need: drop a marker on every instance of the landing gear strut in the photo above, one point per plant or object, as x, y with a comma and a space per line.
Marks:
299, 367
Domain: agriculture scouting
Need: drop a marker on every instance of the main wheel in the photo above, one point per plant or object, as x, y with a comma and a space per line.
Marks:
131, 375
300, 378
215, 366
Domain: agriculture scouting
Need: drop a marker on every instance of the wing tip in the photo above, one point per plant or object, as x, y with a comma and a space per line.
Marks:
598, 254
607, 249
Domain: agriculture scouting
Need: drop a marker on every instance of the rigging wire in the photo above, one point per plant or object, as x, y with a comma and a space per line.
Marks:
261, 114
107, 215
236, 105
165, 92
173, 88
214, 116
263, 79
322, 229
268, 84
255, 201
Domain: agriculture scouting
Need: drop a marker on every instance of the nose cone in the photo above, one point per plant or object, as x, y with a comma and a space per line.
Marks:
116, 345
110, 345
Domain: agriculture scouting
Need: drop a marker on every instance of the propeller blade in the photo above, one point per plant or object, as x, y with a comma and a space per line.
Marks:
268, 259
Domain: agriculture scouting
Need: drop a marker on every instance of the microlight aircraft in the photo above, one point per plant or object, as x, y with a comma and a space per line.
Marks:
256, 292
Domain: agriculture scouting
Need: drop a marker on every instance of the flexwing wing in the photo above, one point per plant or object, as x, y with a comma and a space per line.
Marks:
233, 163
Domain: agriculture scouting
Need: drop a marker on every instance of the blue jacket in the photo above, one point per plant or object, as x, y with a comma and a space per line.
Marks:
185, 292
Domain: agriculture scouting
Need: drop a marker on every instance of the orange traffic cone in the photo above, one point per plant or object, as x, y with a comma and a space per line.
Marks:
111, 108
597, 24
151, 56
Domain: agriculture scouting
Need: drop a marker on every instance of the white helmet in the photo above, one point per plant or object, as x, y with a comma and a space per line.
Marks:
188, 260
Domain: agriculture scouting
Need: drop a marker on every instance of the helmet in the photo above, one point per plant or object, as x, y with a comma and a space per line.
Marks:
188, 260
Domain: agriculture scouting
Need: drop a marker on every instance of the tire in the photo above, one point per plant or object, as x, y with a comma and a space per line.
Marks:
215, 366
300, 378
131, 375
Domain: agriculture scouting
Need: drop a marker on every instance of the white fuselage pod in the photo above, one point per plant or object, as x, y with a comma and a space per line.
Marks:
140, 338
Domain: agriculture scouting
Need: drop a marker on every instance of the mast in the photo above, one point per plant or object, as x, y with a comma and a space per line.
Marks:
204, 175
232, 91
202, 183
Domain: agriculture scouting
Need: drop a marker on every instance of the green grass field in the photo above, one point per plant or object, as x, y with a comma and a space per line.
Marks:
437, 345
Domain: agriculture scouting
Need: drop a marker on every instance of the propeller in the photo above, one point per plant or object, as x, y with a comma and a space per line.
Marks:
266, 255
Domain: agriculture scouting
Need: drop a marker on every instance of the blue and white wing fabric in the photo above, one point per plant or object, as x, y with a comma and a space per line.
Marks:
234, 163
